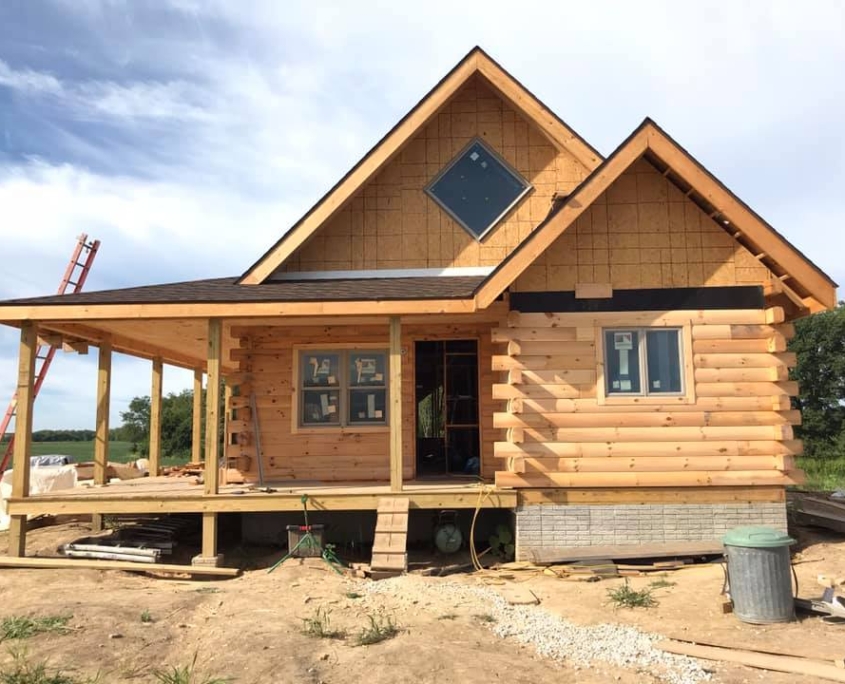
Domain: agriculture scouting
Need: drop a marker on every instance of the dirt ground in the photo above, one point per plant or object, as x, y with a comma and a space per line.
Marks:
249, 628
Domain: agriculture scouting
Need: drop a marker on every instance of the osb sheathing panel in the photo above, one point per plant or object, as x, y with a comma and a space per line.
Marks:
328, 454
643, 232
391, 223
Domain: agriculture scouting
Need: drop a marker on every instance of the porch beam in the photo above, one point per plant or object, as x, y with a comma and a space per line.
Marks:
101, 435
23, 433
395, 404
196, 421
155, 417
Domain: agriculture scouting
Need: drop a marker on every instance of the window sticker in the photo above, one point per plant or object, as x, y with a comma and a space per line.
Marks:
623, 340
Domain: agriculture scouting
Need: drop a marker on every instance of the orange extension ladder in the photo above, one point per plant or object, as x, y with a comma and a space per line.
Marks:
73, 281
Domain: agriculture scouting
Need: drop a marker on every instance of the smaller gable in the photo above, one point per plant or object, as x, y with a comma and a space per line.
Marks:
634, 202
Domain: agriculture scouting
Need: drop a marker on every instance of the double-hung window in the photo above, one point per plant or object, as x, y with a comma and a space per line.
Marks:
643, 361
342, 387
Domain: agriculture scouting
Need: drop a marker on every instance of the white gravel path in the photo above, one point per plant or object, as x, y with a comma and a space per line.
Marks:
550, 635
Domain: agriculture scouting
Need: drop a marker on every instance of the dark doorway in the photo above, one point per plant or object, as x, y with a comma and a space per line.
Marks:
446, 376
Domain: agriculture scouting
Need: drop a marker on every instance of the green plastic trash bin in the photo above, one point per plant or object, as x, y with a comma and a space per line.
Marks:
760, 574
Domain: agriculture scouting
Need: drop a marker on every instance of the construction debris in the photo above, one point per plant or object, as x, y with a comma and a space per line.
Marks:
817, 509
65, 563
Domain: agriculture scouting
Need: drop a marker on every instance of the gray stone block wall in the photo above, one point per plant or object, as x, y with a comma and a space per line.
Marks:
561, 526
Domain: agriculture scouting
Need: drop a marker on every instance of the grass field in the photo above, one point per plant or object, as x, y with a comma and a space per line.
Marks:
119, 452
823, 474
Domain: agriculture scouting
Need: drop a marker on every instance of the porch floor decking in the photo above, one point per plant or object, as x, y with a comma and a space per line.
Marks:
183, 495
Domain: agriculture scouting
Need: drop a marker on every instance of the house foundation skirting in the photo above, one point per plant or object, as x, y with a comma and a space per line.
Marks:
542, 529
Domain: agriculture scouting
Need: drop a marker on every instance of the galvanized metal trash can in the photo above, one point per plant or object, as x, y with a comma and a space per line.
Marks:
760, 574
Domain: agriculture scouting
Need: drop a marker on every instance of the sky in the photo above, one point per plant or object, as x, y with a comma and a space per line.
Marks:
188, 136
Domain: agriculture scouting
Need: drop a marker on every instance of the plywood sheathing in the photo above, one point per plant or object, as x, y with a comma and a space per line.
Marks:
391, 223
643, 232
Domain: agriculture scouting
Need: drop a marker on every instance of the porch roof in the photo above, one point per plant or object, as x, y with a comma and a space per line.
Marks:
227, 290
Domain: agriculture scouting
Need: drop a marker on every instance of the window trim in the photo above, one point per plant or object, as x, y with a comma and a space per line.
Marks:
687, 393
510, 169
344, 427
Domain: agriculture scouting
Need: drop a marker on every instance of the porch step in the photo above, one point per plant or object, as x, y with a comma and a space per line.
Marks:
390, 556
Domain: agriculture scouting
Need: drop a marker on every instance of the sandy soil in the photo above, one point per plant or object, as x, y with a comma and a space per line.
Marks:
249, 628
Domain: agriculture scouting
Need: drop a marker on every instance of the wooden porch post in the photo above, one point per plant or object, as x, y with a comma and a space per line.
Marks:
155, 418
23, 434
212, 435
395, 404
101, 436
196, 424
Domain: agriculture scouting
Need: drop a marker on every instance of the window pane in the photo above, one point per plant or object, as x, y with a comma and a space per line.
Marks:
366, 369
320, 407
320, 369
477, 188
622, 371
664, 361
367, 406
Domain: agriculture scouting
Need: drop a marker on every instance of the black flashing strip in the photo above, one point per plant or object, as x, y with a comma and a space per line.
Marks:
652, 299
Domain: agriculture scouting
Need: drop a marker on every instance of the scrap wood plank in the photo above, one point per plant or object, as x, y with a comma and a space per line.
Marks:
761, 661
517, 595
65, 563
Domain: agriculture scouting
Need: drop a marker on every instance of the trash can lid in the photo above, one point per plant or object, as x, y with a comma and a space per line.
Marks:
757, 537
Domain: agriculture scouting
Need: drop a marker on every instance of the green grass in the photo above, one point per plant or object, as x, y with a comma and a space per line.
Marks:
823, 474
319, 626
22, 670
119, 452
626, 597
20, 627
380, 629
187, 674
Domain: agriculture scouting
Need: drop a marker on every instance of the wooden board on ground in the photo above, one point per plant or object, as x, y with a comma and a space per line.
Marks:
391, 537
67, 563
680, 549
762, 661
517, 595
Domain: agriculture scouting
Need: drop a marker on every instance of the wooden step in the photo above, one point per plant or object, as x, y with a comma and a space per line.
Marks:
391, 537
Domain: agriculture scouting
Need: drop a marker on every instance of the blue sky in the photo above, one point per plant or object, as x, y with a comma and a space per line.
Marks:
188, 135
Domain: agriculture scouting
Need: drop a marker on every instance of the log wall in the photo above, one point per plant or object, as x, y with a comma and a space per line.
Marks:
643, 232
391, 223
266, 357
732, 428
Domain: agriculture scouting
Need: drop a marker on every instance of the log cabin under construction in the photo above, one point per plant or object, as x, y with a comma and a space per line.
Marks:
483, 312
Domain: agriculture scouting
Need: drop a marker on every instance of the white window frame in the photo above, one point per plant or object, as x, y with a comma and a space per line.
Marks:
687, 393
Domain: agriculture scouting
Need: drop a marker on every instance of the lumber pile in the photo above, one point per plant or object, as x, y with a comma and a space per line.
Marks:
67, 563
390, 557
818, 510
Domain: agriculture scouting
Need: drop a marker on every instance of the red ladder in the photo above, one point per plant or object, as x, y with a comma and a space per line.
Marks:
73, 280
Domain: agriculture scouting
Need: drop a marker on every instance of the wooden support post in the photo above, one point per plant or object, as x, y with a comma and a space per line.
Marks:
209, 536
155, 418
212, 407
395, 404
23, 434
196, 424
101, 435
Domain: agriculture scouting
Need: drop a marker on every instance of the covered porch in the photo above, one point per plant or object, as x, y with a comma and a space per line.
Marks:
355, 473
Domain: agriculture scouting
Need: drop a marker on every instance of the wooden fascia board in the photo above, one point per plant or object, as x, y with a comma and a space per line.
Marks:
363, 172
742, 218
94, 312
547, 233
561, 135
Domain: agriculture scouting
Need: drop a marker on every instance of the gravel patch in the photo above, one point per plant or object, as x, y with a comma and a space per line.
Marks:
550, 635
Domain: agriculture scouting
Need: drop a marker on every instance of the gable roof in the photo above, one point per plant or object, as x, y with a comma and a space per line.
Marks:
799, 277
476, 62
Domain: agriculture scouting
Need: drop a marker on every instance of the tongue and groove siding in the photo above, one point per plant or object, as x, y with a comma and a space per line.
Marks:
732, 428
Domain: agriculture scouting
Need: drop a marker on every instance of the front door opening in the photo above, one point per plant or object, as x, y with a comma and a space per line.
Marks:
446, 376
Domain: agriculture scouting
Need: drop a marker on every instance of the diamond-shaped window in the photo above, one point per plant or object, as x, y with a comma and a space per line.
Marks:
478, 188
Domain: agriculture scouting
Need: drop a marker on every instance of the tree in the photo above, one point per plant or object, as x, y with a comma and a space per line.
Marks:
819, 343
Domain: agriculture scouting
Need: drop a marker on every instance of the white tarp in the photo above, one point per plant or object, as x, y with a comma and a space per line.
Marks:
41, 480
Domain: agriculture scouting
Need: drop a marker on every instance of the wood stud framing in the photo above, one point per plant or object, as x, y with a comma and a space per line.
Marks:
395, 404
155, 416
